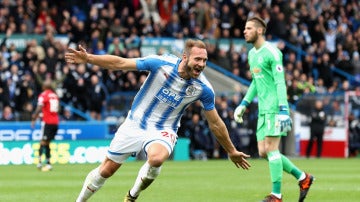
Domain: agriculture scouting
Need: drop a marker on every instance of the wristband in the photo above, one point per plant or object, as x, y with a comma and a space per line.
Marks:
245, 103
283, 110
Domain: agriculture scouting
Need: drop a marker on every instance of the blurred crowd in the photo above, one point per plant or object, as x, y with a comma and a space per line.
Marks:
327, 33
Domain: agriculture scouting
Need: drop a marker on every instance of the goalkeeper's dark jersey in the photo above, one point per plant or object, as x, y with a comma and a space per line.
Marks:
268, 80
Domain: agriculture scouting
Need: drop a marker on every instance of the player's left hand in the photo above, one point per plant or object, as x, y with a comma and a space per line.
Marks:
284, 120
239, 159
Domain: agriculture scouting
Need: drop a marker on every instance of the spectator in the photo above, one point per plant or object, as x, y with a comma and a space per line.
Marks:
294, 92
51, 60
133, 41
304, 84
355, 62
226, 17
116, 45
226, 115
173, 27
150, 10
336, 115
7, 114
12, 80
330, 39
166, 10
80, 98
201, 140
97, 97
26, 112
319, 87
25, 91
67, 115
324, 67
4, 94
77, 86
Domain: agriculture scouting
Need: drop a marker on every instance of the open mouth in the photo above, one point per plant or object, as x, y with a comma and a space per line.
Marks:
197, 71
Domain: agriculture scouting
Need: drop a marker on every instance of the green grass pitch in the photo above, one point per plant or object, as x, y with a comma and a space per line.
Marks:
179, 181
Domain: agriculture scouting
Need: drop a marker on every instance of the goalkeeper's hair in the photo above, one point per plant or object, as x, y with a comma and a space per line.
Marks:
259, 22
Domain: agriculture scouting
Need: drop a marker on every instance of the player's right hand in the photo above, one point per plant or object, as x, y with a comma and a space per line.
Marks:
239, 159
239, 111
76, 57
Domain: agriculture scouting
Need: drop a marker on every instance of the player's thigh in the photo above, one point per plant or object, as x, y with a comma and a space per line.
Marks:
127, 141
261, 128
157, 140
49, 131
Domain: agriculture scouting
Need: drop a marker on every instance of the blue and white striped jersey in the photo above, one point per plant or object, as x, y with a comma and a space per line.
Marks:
164, 96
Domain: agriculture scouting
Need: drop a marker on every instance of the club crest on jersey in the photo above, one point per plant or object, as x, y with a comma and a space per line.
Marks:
190, 90
279, 68
260, 59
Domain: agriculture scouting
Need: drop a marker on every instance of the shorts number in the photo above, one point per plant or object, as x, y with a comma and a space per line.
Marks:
169, 135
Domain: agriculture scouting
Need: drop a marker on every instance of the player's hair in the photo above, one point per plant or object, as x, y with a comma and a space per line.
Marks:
48, 85
190, 43
258, 22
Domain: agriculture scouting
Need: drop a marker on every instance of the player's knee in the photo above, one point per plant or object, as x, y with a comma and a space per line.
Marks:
106, 173
108, 168
155, 160
262, 152
156, 155
262, 155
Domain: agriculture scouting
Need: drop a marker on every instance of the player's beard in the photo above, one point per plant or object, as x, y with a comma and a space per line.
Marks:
191, 69
253, 38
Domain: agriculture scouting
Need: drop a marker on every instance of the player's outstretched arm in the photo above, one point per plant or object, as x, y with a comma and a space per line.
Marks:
106, 61
217, 126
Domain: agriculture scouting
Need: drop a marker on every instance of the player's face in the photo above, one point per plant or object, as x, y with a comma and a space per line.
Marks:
196, 62
251, 32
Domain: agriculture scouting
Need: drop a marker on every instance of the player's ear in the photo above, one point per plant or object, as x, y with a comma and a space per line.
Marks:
184, 56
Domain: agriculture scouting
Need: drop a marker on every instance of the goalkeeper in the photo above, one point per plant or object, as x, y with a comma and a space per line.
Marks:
268, 84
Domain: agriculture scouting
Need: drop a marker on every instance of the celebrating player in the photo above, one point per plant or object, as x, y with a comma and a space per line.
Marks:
172, 85
268, 84
48, 104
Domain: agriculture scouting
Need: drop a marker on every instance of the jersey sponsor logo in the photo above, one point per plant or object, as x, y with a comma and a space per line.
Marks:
279, 68
256, 70
257, 73
169, 97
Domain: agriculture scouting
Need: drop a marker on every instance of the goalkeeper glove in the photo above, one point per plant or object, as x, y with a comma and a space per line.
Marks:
240, 110
284, 120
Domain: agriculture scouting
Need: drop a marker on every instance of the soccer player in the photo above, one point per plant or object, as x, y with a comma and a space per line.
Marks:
172, 85
48, 104
268, 84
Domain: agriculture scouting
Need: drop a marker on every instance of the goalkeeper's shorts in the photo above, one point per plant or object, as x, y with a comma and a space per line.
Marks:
267, 125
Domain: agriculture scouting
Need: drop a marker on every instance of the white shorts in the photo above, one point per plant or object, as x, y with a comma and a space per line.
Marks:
130, 139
